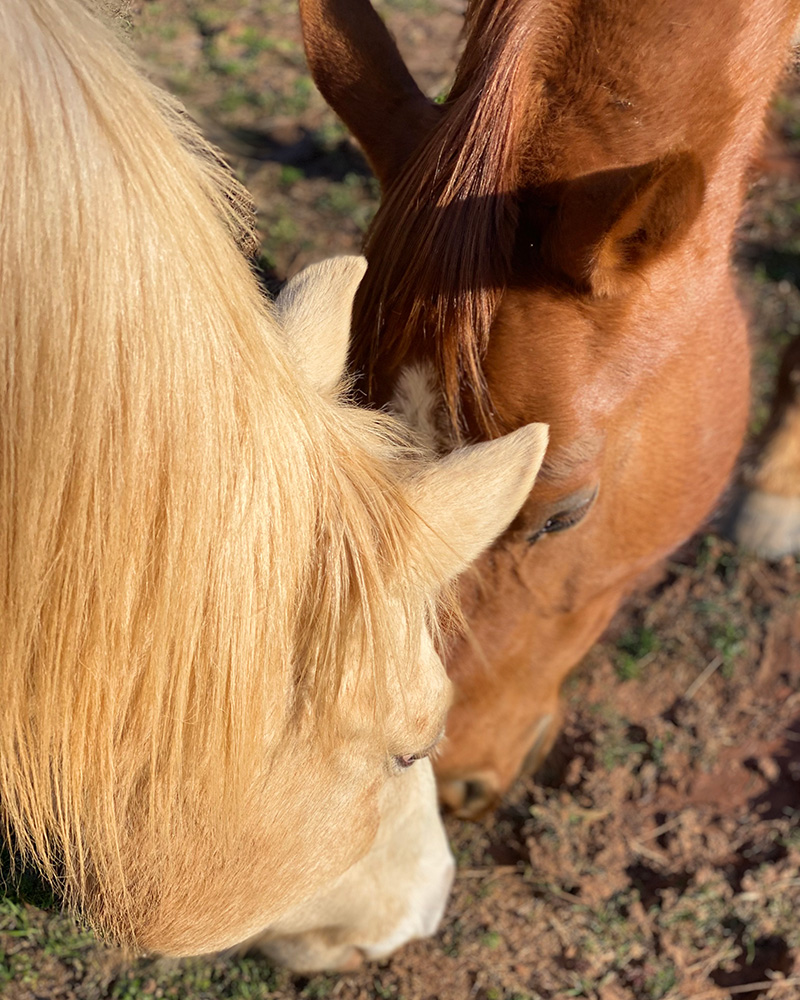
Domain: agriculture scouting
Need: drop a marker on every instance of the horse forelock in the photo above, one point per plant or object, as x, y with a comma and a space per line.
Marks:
192, 543
440, 246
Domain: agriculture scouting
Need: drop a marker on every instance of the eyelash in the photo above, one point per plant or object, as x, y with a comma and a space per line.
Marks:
560, 522
402, 761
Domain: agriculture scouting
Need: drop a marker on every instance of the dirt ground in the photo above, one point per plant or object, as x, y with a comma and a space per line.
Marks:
658, 855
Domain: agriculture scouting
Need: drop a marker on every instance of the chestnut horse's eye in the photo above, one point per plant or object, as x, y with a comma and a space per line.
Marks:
563, 520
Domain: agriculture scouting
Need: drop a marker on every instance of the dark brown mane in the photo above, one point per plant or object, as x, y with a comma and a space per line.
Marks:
452, 204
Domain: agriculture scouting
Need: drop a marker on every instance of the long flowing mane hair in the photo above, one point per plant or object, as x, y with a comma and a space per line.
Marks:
191, 538
441, 244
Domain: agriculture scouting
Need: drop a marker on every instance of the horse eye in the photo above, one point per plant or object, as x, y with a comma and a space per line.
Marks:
403, 760
407, 759
563, 520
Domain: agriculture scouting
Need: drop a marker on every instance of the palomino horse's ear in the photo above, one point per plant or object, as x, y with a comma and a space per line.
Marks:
609, 225
470, 497
314, 309
358, 70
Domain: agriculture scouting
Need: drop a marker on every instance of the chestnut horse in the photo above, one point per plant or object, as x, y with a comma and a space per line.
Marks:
215, 576
554, 242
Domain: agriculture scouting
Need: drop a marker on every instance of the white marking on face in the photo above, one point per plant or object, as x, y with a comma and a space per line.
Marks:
418, 402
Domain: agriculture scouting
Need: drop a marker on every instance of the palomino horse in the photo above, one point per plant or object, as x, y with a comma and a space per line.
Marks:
217, 575
554, 243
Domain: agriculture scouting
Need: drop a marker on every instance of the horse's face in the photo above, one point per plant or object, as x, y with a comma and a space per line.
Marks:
397, 891
636, 457
321, 805
340, 854
557, 232
338, 850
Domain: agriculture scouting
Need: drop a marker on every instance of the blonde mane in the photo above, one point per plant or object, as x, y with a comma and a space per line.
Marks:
192, 539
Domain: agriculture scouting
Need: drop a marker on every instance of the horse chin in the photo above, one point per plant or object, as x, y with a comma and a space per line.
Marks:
473, 793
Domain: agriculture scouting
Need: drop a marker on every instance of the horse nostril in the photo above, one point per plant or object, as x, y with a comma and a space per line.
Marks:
476, 795
468, 798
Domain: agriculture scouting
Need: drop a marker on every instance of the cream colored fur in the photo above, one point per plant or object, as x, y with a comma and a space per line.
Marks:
395, 893
324, 292
419, 403
214, 578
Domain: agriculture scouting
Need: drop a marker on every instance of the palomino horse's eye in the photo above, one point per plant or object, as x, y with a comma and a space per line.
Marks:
403, 760
563, 520
407, 759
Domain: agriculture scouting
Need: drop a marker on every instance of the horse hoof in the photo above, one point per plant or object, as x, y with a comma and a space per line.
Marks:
768, 525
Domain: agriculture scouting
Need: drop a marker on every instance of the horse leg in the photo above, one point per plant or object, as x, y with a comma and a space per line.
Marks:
767, 521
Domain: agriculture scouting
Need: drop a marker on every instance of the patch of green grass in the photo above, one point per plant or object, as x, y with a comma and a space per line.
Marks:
452, 938
661, 982
300, 97
167, 32
386, 991
491, 939
728, 639
282, 230
242, 979
181, 81
350, 199
319, 988
418, 6
289, 101
718, 557
17, 968
619, 743
658, 745
583, 988
27, 932
209, 20
636, 648
328, 136
255, 42
235, 97
289, 175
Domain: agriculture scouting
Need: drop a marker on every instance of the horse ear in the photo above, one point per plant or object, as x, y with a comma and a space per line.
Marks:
470, 497
609, 225
314, 310
360, 73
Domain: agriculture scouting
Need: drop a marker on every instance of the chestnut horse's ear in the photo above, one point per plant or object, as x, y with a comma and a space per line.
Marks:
360, 73
314, 310
467, 499
609, 225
